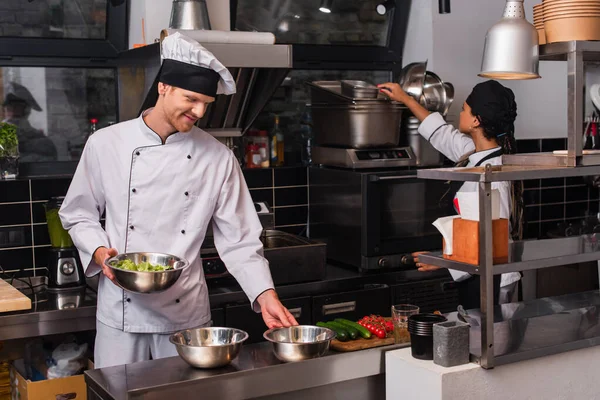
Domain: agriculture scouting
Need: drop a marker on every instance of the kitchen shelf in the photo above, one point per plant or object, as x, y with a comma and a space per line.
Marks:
531, 254
506, 173
590, 50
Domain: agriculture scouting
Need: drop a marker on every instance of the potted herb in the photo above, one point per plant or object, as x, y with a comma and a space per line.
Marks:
9, 151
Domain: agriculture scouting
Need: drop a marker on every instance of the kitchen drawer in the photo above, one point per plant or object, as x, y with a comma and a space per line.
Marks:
371, 299
430, 295
218, 316
244, 318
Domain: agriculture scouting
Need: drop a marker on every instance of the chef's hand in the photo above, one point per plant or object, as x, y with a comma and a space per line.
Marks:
423, 267
274, 313
394, 92
100, 256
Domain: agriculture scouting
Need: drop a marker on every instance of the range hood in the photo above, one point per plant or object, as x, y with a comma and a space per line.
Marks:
259, 69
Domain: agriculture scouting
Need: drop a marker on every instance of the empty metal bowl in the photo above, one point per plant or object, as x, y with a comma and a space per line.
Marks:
209, 347
146, 281
299, 343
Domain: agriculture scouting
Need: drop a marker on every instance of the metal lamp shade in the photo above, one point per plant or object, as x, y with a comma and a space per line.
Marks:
511, 46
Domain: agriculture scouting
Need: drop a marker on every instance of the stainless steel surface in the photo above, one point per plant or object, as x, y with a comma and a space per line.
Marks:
575, 107
292, 258
173, 378
559, 51
357, 126
511, 46
426, 155
506, 173
212, 347
434, 93
145, 281
449, 88
298, 343
347, 158
189, 14
539, 327
359, 89
549, 159
68, 310
330, 93
487, 277
533, 254
264, 68
412, 79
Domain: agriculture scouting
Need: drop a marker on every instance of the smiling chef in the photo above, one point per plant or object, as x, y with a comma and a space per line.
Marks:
160, 180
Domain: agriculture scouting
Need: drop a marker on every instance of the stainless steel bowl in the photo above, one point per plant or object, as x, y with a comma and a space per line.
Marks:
299, 343
143, 281
209, 347
412, 79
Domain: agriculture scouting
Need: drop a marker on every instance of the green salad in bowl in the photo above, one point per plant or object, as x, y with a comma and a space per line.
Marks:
145, 266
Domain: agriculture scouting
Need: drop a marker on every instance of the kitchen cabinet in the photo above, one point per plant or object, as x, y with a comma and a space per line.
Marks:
370, 299
431, 295
244, 318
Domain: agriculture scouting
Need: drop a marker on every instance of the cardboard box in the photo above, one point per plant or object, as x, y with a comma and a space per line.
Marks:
68, 388
465, 246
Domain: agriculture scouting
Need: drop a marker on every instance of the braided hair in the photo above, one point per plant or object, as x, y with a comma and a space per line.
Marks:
495, 108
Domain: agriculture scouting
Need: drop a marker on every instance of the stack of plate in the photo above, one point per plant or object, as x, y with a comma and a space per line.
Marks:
566, 20
538, 22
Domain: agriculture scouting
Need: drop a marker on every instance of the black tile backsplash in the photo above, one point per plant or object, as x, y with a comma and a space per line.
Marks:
291, 215
15, 191
15, 214
291, 196
558, 200
290, 177
46, 188
23, 199
15, 236
576, 193
258, 178
15, 259
265, 195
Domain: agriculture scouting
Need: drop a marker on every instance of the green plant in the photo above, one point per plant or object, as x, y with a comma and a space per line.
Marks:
9, 144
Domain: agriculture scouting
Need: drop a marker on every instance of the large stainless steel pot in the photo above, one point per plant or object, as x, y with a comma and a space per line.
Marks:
426, 154
357, 126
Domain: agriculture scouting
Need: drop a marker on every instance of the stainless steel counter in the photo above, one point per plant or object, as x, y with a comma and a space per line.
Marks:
75, 311
255, 373
540, 327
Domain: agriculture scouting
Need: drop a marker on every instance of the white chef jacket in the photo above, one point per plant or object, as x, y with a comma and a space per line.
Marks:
454, 144
160, 198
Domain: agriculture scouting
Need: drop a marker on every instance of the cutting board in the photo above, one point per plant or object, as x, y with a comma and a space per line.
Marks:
11, 299
360, 344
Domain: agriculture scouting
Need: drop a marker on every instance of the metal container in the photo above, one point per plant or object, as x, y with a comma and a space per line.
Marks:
299, 343
143, 281
357, 126
209, 347
434, 93
412, 79
332, 93
426, 154
359, 89
189, 14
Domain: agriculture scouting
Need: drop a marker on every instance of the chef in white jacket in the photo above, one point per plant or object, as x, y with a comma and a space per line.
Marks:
485, 132
160, 180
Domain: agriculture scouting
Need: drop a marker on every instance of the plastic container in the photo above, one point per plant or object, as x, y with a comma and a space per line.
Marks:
59, 237
420, 328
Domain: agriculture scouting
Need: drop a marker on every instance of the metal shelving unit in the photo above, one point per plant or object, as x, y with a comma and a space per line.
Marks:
524, 255
576, 54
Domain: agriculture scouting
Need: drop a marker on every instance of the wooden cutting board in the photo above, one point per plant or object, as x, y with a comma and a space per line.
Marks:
360, 344
11, 299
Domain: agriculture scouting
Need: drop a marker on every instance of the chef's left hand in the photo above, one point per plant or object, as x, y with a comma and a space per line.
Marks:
274, 313
423, 267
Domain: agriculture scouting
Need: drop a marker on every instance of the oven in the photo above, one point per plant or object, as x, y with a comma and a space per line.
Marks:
375, 219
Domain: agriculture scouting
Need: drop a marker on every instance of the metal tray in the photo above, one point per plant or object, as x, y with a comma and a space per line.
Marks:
330, 92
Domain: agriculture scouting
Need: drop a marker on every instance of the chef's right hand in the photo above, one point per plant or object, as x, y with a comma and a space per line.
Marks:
394, 92
100, 256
